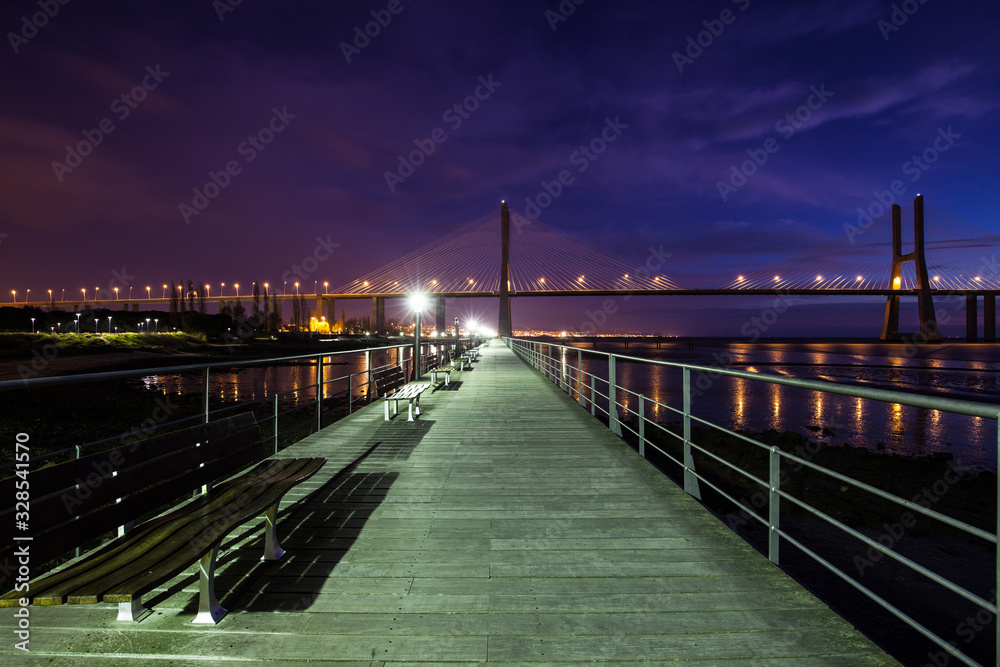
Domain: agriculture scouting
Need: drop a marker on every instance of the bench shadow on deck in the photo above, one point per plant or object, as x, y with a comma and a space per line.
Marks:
505, 525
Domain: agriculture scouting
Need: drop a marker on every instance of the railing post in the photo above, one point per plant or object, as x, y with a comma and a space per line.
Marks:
774, 505
204, 391
579, 377
642, 426
593, 395
350, 393
276, 423
690, 481
613, 422
76, 552
319, 393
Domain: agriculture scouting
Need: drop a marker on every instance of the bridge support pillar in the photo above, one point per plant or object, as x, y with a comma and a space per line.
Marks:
439, 321
971, 318
504, 327
378, 315
989, 318
928, 319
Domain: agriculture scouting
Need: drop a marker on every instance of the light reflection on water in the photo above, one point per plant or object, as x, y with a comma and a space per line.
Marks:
741, 404
253, 383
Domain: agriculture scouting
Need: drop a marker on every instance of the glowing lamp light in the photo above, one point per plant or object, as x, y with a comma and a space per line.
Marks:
818, 278
860, 278
418, 302
580, 279
739, 278
777, 278
895, 283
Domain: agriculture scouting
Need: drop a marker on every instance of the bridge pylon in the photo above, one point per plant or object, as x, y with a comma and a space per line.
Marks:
925, 304
504, 327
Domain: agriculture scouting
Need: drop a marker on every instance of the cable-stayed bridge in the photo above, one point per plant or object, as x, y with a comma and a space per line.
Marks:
505, 254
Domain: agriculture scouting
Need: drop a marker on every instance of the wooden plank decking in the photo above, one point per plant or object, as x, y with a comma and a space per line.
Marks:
507, 525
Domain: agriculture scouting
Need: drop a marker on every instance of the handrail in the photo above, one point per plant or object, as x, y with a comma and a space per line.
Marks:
539, 355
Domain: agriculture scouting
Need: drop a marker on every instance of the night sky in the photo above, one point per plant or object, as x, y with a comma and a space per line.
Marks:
113, 114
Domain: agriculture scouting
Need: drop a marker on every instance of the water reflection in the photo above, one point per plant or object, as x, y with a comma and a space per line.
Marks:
747, 405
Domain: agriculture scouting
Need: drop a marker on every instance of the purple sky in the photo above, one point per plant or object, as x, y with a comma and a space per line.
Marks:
547, 84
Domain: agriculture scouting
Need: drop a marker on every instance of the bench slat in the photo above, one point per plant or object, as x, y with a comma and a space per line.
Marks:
158, 549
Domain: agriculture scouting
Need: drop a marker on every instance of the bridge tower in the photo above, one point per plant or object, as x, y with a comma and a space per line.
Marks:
925, 304
504, 328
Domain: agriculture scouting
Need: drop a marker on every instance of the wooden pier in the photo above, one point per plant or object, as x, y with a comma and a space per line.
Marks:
506, 525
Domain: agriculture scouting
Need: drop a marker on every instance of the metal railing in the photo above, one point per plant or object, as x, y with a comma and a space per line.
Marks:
269, 404
540, 355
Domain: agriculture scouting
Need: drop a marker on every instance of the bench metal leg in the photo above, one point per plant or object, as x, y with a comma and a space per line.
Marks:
132, 611
409, 409
210, 611
272, 550
386, 401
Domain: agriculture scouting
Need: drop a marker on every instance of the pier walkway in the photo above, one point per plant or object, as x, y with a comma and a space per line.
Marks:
506, 525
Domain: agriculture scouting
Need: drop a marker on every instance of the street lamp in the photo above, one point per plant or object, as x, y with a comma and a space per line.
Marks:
237, 286
296, 289
83, 290
326, 287
164, 294
62, 297
32, 325
284, 288
147, 325
129, 292
109, 324
13, 294
50, 296
417, 304
156, 324
222, 289
208, 291
147, 293
116, 294
78, 322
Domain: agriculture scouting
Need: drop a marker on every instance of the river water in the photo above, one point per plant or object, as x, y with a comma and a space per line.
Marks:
962, 371
966, 371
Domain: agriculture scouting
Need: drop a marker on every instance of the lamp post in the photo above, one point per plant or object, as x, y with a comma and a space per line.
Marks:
116, 294
147, 325
147, 293
417, 303
156, 324
13, 294
237, 286
109, 324
32, 325
62, 297
164, 294
78, 322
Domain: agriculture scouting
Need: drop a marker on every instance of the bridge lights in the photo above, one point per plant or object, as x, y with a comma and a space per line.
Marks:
819, 278
580, 279
895, 283
738, 278
777, 278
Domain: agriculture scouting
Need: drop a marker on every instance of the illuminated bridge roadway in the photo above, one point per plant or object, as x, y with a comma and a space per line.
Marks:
506, 525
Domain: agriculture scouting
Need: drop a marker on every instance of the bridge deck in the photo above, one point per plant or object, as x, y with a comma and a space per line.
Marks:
506, 525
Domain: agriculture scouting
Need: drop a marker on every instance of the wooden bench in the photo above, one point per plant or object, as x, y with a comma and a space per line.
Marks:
78, 501
445, 367
390, 384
